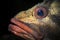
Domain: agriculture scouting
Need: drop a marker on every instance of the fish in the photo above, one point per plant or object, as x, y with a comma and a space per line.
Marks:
40, 22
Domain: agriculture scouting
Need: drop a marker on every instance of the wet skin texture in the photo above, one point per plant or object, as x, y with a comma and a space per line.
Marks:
31, 26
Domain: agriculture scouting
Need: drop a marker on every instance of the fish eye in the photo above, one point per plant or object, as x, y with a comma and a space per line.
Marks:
40, 12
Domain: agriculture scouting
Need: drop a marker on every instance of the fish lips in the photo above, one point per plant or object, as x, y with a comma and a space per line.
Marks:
19, 28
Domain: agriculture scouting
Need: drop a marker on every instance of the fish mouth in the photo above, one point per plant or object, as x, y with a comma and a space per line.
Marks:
19, 28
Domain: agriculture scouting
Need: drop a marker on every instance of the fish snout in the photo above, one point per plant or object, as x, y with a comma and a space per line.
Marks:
21, 29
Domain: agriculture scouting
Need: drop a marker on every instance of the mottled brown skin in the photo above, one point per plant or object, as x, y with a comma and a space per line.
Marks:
28, 26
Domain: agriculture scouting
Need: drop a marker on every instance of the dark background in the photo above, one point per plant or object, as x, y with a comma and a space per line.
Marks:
14, 6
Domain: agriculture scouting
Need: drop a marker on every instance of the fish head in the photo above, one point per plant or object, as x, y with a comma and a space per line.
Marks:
37, 22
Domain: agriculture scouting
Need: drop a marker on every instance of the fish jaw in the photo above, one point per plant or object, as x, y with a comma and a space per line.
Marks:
23, 30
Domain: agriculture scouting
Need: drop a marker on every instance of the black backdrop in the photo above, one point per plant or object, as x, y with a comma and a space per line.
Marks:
14, 6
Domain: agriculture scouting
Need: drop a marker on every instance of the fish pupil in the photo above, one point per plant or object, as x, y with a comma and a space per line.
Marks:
40, 13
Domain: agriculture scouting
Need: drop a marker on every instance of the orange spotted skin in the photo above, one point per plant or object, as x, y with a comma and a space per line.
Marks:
30, 26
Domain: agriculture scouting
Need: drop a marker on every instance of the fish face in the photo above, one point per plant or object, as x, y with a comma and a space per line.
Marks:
38, 22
